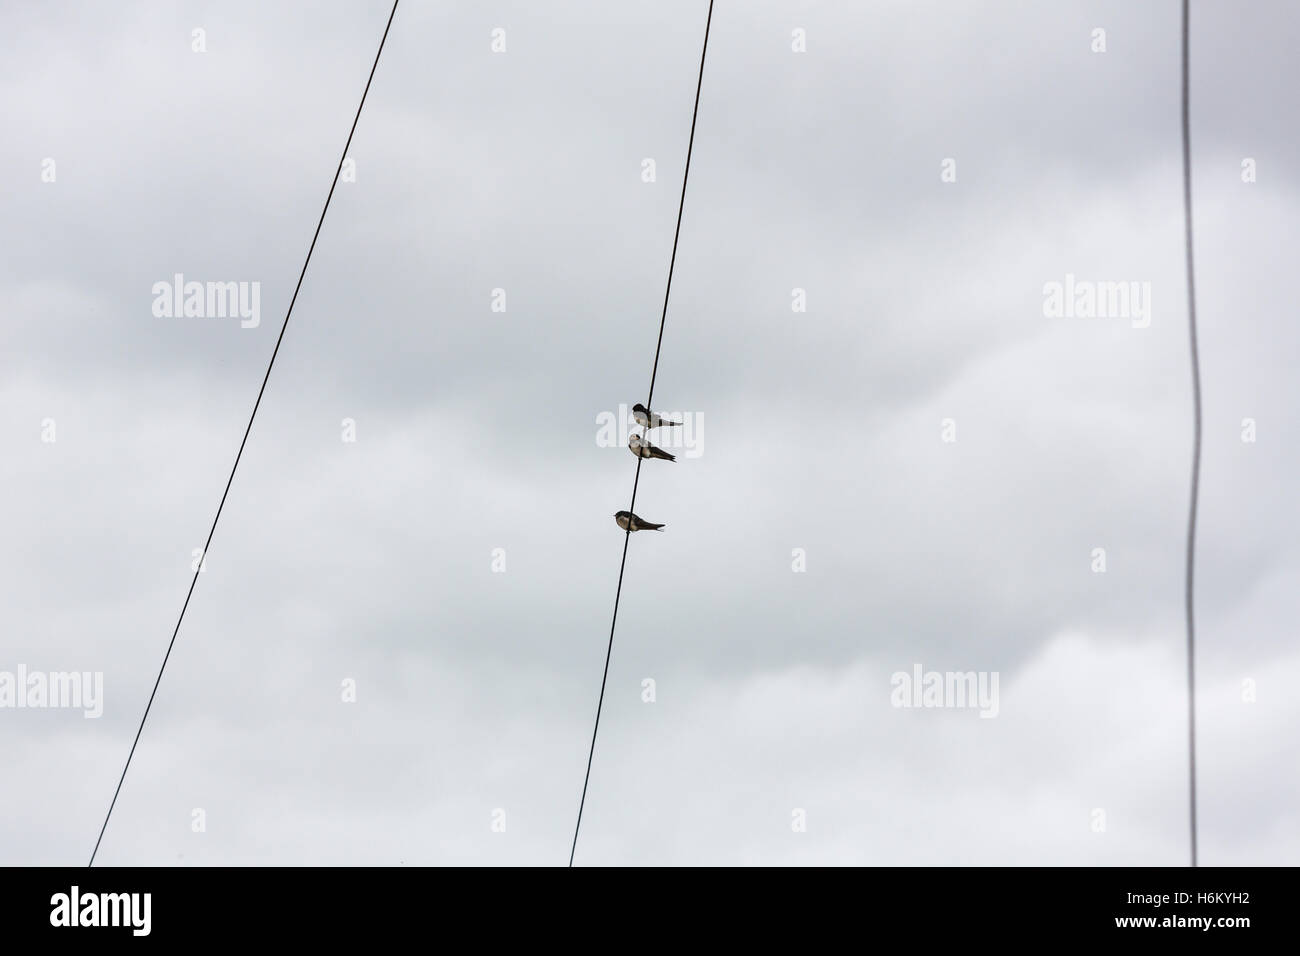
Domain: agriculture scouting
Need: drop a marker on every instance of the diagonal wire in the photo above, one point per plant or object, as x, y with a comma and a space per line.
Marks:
247, 430
1189, 593
609, 650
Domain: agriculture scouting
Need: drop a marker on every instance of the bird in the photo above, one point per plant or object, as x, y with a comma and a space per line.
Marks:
643, 416
643, 449
638, 524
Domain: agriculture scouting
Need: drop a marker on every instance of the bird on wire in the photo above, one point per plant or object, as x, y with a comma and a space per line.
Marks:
643, 416
643, 449
624, 518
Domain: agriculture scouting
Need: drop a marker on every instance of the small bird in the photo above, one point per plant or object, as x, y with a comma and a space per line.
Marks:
638, 524
643, 449
643, 416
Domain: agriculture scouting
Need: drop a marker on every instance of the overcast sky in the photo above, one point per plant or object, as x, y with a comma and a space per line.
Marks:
372, 561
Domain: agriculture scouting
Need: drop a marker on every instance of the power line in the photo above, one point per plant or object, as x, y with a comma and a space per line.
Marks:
649, 404
247, 430
1196, 445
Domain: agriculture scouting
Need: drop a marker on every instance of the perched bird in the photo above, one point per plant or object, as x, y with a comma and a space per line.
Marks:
643, 449
643, 416
638, 524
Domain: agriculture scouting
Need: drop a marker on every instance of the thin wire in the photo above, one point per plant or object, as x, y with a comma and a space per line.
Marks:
663, 318
1196, 445
242, 443
609, 650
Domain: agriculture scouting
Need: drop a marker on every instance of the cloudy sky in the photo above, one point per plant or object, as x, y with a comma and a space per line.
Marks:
372, 561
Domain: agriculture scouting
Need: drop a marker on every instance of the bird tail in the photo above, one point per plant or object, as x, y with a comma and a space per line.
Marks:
665, 455
664, 423
651, 526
